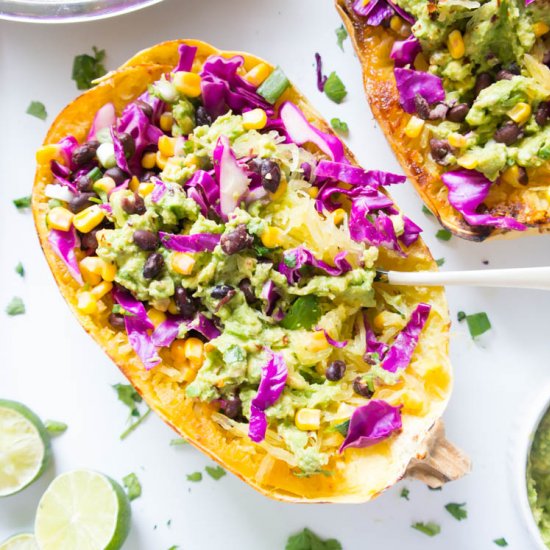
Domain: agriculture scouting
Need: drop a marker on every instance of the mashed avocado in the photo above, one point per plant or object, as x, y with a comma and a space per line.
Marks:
538, 478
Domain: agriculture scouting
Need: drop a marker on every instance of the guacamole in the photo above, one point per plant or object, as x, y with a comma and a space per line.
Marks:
538, 477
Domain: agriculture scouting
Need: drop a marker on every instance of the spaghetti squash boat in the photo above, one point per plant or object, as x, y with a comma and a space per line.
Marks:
220, 244
462, 91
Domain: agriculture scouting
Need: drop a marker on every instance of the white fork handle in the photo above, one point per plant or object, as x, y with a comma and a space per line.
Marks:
523, 277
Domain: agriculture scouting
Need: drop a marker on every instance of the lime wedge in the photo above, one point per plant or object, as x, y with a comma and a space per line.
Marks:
24, 447
25, 541
82, 510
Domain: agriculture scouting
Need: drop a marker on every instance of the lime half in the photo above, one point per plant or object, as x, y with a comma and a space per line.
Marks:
24, 447
82, 510
25, 541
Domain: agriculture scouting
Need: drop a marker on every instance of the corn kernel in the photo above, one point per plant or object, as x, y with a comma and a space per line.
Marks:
166, 146
396, 23
467, 161
308, 419
511, 176
412, 402
148, 161
105, 184
186, 83
182, 263
540, 28
94, 269
145, 188
134, 184
86, 303
258, 74
338, 216
457, 140
60, 218
420, 63
455, 44
281, 190
47, 153
89, 218
387, 319
188, 374
414, 127
312, 191
108, 271
166, 121
177, 351
173, 308
255, 119
343, 413
101, 289
161, 160
272, 237
193, 350
317, 341
520, 112
156, 317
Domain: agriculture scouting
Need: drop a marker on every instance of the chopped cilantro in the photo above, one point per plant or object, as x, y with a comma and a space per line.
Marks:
478, 323
129, 396
434, 488
15, 307
502, 542
431, 529
461, 316
342, 428
37, 109
457, 510
178, 441
404, 493
234, 354
20, 270
334, 88
440, 262
341, 35
87, 68
175, 547
118, 309
426, 210
132, 486
339, 125
289, 260
215, 472
22, 202
303, 313
55, 428
135, 425
444, 235
195, 476
308, 540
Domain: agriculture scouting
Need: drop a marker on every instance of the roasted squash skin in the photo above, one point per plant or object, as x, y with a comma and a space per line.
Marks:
358, 475
373, 46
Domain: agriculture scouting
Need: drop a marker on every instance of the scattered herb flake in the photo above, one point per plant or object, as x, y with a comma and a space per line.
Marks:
426, 210
341, 35
444, 235
434, 488
132, 485
87, 68
15, 307
20, 270
461, 316
334, 88
215, 472
129, 396
431, 529
175, 547
22, 202
404, 493
502, 542
37, 109
440, 262
457, 510
178, 441
342, 428
135, 425
303, 313
308, 540
195, 476
55, 428
339, 125
478, 323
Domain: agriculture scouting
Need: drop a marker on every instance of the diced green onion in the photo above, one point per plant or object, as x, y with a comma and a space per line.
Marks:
273, 86
478, 323
94, 174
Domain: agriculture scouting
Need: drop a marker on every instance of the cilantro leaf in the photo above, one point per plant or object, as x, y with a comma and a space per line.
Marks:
87, 68
457, 510
444, 235
132, 485
303, 313
195, 476
478, 324
173, 547
431, 529
440, 262
342, 428
341, 35
178, 441
404, 493
215, 472
135, 425
15, 307
502, 542
22, 202
308, 540
20, 270
55, 428
339, 125
37, 109
129, 396
334, 88
426, 210
460, 316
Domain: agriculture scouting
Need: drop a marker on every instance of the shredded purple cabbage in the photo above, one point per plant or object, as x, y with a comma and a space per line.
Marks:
411, 83
296, 258
372, 423
105, 117
321, 79
334, 343
68, 145
187, 56
272, 384
377, 11
202, 184
168, 330
372, 345
404, 52
159, 190
467, 190
354, 175
270, 293
63, 244
63, 175
198, 242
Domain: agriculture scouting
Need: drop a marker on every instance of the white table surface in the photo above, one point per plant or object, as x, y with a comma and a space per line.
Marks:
49, 363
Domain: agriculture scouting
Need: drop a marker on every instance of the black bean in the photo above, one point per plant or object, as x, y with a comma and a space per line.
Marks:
508, 133
153, 265
438, 112
439, 148
335, 371
232, 407
422, 107
133, 204
542, 114
146, 240
202, 118
88, 241
370, 359
504, 74
514, 68
483, 80
271, 175
546, 58
362, 388
246, 288
116, 320
523, 178
458, 112
186, 304
128, 144
84, 154
80, 202
145, 108
255, 165
84, 183
220, 291
236, 240
118, 175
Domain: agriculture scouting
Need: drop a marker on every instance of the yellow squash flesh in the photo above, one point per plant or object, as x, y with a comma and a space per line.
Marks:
359, 474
